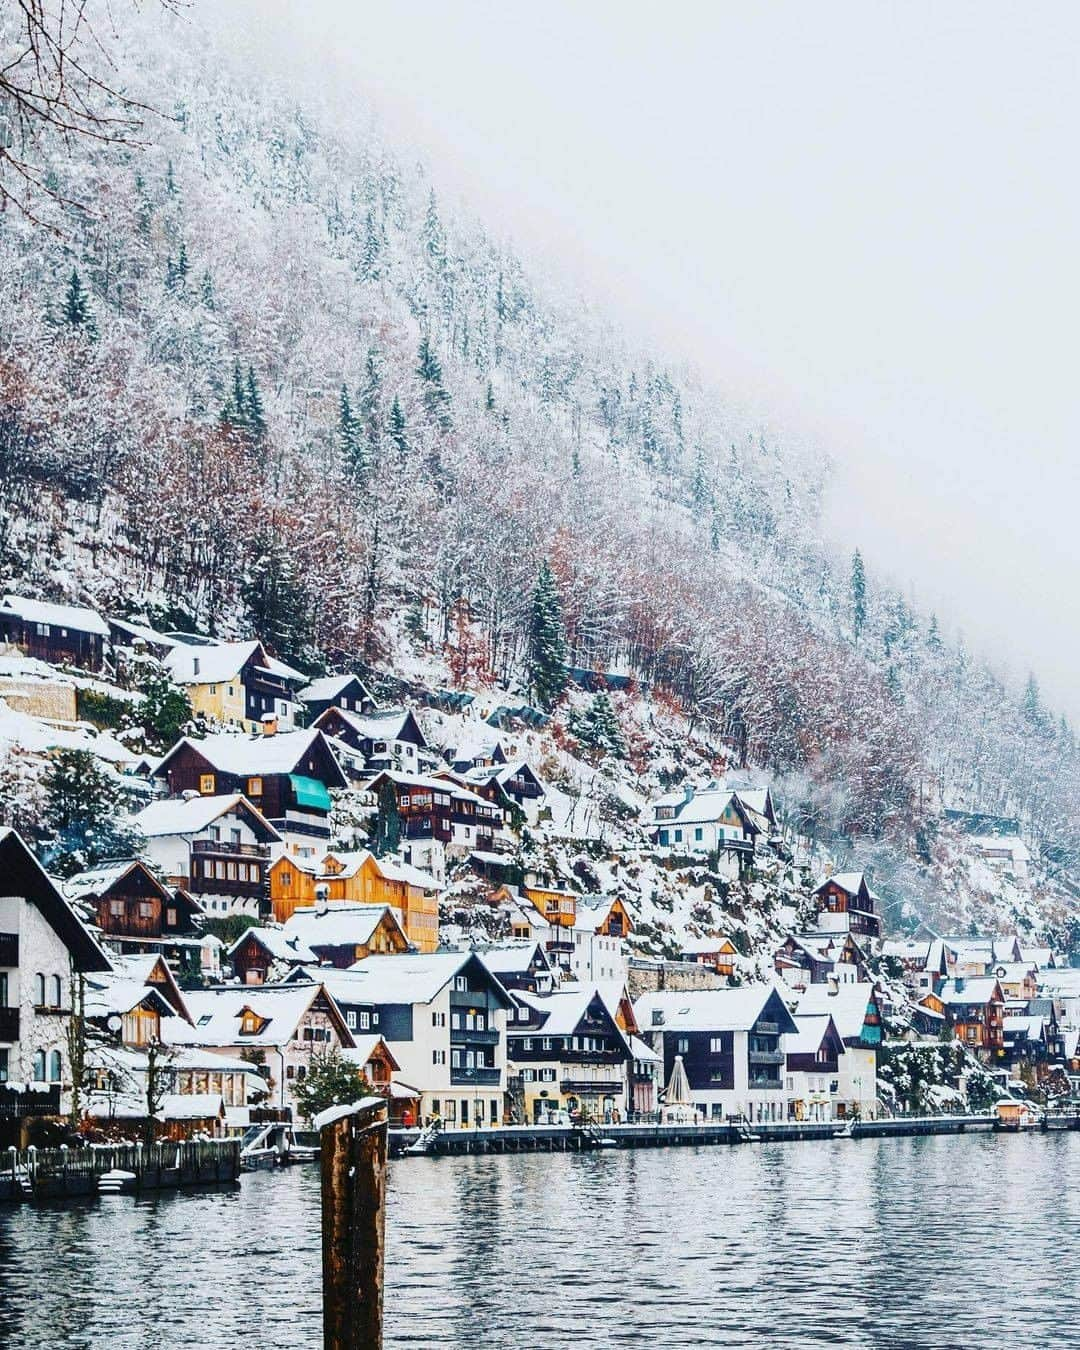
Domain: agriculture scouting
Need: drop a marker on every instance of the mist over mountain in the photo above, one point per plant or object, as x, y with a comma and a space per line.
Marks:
269, 383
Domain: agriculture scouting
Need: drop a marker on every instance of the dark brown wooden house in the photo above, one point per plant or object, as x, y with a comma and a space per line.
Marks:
65, 634
336, 691
287, 775
129, 904
846, 905
440, 808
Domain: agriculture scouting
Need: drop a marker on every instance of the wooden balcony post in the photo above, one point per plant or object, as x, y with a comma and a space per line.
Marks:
353, 1143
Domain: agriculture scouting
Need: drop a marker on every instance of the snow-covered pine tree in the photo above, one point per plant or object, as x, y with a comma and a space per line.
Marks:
436, 398
547, 641
858, 593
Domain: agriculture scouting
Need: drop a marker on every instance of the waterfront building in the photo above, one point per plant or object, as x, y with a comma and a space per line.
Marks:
856, 1012
975, 1011
731, 1045
812, 1068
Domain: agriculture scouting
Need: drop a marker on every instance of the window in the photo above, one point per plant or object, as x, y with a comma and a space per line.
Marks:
231, 868
455, 1059
39, 1066
3, 1065
146, 909
39, 996
3, 989
665, 838
545, 1044
170, 917
116, 909
42, 629
350, 1019
455, 1021
682, 1046
716, 1045
57, 992
206, 784
461, 984
439, 1056
547, 1075
451, 1110
254, 787
234, 835
528, 1075
526, 1043
365, 1021
56, 1067
698, 835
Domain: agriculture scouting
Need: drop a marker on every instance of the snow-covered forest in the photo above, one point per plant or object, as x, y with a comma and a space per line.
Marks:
267, 382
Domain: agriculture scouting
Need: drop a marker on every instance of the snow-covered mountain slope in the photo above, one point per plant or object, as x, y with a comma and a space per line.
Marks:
290, 393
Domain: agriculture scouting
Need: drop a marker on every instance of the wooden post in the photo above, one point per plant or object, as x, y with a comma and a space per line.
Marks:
352, 1146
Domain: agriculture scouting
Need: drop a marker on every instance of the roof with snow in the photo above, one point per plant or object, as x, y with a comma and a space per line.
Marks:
97, 881
713, 1009
974, 989
563, 1011
216, 1014
513, 958
191, 1106
365, 1047
223, 661
254, 755
278, 944
851, 882
414, 978
189, 815
343, 923
697, 805
56, 616
389, 724
845, 1003
811, 1030
328, 687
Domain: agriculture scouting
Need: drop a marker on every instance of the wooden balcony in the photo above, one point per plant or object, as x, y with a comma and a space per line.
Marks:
482, 1077
228, 850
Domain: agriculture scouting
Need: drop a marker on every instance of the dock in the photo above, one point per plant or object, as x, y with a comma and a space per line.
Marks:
34, 1174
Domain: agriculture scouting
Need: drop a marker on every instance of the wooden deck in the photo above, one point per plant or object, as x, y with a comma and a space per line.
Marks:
59, 1173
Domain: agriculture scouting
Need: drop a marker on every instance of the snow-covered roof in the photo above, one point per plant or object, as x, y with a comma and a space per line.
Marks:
847, 881
97, 880
811, 1029
326, 688
343, 923
56, 616
1009, 844
365, 1046
563, 1010
216, 1014
512, 958
189, 815
385, 725
711, 1009
589, 916
191, 1106
845, 1003
393, 869
706, 805
704, 946
222, 661
38, 736
406, 978
643, 1052
429, 784
253, 755
141, 631
108, 994
907, 949
279, 944
973, 989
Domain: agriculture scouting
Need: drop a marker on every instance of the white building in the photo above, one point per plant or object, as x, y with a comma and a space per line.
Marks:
856, 1011
44, 948
706, 819
731, 1042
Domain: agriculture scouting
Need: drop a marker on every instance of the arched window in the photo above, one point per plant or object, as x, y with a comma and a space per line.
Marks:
39, 990
57, 992
39, 1065
56, 1067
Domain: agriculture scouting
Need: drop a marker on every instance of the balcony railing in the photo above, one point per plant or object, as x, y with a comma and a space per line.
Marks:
591, 1087
474, 1035
229, 849
483, 1077
9, 949
9, 1024
767, 1028
767, 1057
770, 1084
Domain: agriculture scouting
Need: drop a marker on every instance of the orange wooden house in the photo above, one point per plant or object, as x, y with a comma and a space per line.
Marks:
363, 879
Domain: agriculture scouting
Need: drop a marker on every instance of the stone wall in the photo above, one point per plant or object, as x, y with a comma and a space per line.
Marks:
653, 977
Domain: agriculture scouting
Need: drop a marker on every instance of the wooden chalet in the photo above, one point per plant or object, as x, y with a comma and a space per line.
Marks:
975, 1011
814, 958
439, 809
387, 739
347, 692
59, 634
845, 904
287, 775
718, 953
236, 683
340, 933
131, 906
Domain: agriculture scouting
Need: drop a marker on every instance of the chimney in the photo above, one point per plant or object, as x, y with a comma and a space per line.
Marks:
688, 793
959, 984
195, 665
834, 986
322, 897
269, 724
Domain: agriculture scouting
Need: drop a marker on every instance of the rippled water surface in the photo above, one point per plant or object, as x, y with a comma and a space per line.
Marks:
940, 1242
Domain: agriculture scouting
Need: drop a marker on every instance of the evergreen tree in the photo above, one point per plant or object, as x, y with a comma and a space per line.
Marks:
206, 289
699, 486
278, 604
398, 430
1031, 705
369, 257
858, 593
253, 408
85, 815
170, 179
76, 311
331, 1080
547, 642
387, 822
598, 727
436, 399
370, 392
489, 399
351, 441
434, 239
164, 711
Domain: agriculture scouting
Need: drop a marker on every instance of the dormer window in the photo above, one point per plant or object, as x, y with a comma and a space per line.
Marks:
251, 1023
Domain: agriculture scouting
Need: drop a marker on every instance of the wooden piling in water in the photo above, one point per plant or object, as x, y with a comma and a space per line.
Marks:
353, 1153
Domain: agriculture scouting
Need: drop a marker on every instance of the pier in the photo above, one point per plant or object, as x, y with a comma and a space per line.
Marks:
58, 1173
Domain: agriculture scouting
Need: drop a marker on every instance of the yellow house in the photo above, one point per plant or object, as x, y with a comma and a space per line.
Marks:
292, 883
236, 683
558, 907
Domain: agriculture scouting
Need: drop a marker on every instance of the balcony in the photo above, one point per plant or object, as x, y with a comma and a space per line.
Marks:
768, 1084
227, 850
483, 1077
474, 1036
767, 1028
767, 1057
9, 949
557, 946
591, 1087
9, 1024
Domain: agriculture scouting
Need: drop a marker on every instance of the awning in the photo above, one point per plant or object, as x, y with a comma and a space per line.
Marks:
310, 792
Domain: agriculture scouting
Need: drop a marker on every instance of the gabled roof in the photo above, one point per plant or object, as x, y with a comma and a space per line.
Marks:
22, 875
589, 916
849, 882
514, 958
813, 1030
277, 944
343, 923
111, 993
365, 1046
256, 755
416, 978
846, 1004
98, 881
328, 687
429, 784
223, 661
216, 1014
389, 724
973, 989
705, 806
56, 616
189, 815
562, 1012
713, 1009
704, 946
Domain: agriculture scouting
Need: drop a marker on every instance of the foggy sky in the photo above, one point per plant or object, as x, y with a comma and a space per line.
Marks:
860, 220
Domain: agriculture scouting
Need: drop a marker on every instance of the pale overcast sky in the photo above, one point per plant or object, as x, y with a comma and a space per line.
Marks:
860, 219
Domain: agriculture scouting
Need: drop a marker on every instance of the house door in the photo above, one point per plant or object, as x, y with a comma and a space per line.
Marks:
464, 1112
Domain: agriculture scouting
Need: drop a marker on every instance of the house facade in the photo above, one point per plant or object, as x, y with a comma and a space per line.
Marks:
347, 692
236, 684
387, 739
812, 1068
856, 1013
975, 1011
59, 634
731, 1045
438, 818
845, 905
708, 819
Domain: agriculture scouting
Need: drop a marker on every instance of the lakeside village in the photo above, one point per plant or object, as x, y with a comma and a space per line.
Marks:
125, 1014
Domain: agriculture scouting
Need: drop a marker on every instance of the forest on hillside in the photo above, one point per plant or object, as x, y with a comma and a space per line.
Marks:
255, 377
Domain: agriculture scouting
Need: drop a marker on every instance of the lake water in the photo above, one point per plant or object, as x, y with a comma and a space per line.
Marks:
936, 1242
